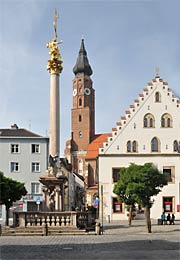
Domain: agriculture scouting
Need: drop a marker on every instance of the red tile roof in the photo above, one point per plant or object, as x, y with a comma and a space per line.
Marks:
93, 147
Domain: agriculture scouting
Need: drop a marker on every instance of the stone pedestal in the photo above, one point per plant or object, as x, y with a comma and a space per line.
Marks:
53, 193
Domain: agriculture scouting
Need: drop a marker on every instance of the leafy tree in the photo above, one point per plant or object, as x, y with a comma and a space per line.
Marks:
120, 189
142, 182
11, 191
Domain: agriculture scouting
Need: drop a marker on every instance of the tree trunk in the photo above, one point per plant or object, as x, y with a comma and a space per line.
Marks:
7, 216
130, 215
148, 219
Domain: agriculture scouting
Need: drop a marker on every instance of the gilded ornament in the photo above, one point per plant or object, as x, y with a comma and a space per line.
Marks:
55, 63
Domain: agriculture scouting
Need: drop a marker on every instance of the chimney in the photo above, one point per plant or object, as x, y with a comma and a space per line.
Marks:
15, 126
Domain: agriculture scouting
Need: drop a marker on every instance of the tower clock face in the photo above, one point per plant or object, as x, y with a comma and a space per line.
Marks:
87, 91
74, 92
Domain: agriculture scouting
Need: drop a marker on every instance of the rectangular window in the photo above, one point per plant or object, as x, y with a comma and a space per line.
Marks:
14, 167
117, 206
116, 174
15, 148
35, 148
170, 171
168, 204
35, 188
35, 167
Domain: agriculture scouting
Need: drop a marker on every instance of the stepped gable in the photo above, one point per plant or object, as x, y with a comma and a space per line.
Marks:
133, 108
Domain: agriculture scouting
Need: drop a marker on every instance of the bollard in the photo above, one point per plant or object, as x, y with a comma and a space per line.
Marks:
97, 228
45, 229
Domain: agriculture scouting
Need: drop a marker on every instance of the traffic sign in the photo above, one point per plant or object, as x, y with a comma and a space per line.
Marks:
95, 203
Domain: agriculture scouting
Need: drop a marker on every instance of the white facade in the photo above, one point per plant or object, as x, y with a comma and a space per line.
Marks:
24, 157
149, 132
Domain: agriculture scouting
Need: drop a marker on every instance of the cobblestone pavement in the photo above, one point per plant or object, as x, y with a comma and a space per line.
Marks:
117, 242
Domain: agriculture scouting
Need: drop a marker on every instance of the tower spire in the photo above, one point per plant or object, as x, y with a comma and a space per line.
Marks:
82, 65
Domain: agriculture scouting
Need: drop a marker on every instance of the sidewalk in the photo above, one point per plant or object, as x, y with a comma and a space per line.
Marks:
138, 226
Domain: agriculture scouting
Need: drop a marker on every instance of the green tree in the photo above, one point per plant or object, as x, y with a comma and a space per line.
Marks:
120, 189
11, 191
143, 182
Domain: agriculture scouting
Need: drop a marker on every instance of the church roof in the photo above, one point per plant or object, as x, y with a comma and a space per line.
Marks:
93, 147
82, 64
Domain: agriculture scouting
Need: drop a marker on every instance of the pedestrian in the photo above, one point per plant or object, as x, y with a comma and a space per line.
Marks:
169, 219
163, 218
172, 219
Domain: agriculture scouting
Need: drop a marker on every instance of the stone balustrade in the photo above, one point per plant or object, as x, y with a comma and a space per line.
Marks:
58, 219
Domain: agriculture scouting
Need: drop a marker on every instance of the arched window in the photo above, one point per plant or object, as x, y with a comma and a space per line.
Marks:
145, 122
155, 145
129, 146
149, 121
166, 120
175, 146
134, 146
80, 134
80, 102
80, 118
157, 97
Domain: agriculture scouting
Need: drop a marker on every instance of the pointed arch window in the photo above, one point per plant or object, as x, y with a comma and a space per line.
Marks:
134, 146
129, 146
175, 146
157, 97
166, 120
155, 145
149, 121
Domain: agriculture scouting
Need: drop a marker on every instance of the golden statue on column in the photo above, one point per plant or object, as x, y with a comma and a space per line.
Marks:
55, 63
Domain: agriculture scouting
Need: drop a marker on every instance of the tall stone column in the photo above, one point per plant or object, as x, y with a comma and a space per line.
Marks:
54, 67
54, 144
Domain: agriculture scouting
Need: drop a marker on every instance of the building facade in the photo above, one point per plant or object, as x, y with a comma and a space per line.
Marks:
148, 132
24, 157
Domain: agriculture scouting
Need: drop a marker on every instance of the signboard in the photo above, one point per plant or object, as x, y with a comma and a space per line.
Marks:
95, 203
38, 200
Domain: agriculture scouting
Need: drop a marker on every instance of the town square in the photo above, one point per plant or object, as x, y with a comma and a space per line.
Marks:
90, 129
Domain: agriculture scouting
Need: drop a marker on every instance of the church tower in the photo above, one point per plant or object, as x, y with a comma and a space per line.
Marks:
83, 112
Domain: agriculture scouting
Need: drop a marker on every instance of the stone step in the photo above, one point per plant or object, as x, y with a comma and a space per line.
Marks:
39, 231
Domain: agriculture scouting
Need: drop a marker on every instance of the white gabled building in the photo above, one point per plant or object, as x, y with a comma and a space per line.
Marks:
149, 132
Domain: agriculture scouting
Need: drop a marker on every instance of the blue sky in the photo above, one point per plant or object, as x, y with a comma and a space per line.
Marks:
125, 41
